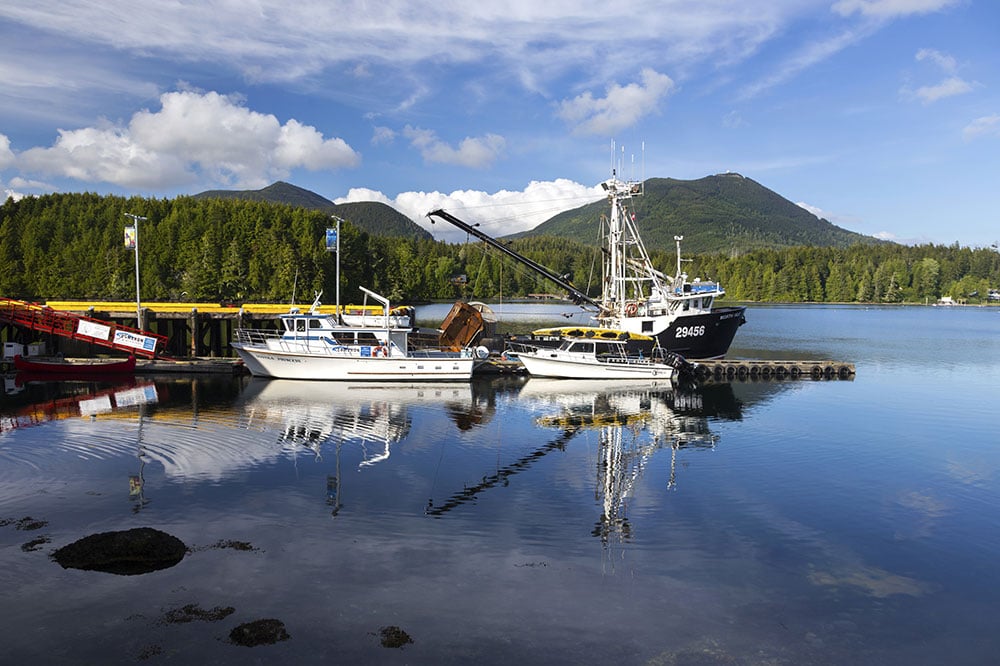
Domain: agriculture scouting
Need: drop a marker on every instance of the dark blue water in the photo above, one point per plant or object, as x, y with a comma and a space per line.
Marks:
757, 522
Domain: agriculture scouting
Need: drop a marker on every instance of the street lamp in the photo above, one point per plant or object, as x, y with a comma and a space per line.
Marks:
135, 245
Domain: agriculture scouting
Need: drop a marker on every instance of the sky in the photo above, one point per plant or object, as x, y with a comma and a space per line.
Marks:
881, 116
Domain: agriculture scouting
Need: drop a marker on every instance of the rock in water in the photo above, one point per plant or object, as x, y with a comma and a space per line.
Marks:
127, 553
259, 632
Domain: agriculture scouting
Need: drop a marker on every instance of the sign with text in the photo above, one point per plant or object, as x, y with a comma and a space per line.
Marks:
130, 237
93, 330
331, 240
135, 340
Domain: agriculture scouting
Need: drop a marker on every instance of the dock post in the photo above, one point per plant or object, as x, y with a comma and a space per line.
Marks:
195, 331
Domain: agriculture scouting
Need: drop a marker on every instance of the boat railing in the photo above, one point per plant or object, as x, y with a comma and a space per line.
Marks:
272, 339
255, 336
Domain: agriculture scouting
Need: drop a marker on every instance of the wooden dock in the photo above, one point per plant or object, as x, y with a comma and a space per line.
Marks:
214, 366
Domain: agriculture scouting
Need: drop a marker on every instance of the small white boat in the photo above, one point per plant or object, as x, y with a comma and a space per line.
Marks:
317, 346
592, 353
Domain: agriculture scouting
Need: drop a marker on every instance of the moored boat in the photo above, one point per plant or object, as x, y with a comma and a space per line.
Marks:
316, 346
678, 312
591, 353
74, 367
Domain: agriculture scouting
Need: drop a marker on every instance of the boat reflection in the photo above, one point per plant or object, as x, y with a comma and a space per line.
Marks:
320, 416
311, 414
634, 421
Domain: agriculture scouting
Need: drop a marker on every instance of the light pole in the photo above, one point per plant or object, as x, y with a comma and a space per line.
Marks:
135, 246
335, 247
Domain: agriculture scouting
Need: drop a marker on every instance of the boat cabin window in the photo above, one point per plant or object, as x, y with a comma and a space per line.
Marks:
343, 337
608, 349
647, 326
315, 323
582, 347
300, 325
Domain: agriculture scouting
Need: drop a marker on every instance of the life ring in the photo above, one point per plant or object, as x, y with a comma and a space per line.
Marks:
631, 309
380, 351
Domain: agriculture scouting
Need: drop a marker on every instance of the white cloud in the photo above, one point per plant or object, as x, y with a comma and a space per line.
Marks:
947, 88
733, 120
988, 126
209, 134
887, 9
942, 60
812, 54
106, 154
472, 152
498, 214
815, 210
383, 136
6, 154
620, 108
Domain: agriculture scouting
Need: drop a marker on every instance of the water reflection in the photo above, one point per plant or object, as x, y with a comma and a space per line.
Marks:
326, 416
634, 421
42, 401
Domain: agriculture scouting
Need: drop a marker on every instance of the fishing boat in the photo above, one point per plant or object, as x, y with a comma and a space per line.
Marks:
74, 367
594, 353
680, 313
311, 345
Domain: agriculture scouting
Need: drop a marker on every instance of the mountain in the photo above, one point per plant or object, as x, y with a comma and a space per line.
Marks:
721, 213
373, 217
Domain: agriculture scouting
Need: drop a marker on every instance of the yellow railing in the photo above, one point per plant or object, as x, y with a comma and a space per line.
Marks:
250, 308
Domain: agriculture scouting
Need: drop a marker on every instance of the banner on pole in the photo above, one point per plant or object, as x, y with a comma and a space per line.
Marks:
130, 237
331, 240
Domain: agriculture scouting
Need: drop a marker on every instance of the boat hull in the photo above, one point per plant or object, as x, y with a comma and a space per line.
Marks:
74, 368
549, 363
695, 336
290, 365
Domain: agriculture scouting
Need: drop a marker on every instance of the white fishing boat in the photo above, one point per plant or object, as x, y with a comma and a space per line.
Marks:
592, 353
317, 346
678, 311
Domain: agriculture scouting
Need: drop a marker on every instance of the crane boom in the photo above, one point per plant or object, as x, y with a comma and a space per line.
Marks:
575, 294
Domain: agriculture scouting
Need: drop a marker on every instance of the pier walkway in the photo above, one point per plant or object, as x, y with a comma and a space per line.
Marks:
45, 319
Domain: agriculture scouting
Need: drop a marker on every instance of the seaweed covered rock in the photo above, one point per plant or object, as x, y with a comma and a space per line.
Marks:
259, 632
394, 637
127, 553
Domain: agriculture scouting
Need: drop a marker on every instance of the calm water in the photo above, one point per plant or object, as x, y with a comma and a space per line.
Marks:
764, 522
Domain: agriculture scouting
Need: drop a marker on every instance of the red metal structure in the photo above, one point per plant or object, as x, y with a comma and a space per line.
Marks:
108, 334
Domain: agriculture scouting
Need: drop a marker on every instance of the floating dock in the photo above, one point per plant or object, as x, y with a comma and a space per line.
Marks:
719, 370
773, 369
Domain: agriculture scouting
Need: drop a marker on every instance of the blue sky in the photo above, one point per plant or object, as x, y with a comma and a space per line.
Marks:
883, 116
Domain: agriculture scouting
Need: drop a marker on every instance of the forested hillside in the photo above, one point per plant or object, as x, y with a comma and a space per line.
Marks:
371, 216
723, 213
69, 246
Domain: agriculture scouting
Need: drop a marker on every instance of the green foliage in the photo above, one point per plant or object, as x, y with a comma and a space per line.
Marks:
69, 246
727, 212
372, 217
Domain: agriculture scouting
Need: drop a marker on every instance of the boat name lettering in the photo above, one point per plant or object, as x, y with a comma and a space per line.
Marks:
689, 331
282, 359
